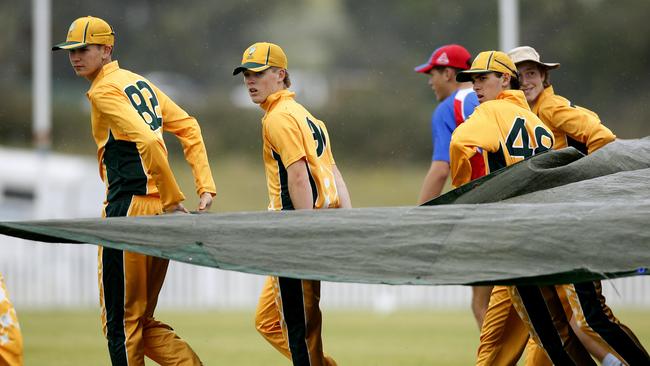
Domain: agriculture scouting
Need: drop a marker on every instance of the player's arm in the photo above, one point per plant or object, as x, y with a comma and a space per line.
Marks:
299, 187
478, 132
187, 130
434, 181
344, 195
580, 124
443, 124
124, 118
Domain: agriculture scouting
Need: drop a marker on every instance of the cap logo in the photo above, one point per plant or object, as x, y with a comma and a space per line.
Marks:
443, 59
250, 52
72, 26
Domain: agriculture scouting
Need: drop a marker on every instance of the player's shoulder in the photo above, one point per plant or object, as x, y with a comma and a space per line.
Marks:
278, 116
554, 101
465, 94
283, 108
115, 79
288, 107
448, 102
445, 107
465, 101
553, 108
102, 88
126, 77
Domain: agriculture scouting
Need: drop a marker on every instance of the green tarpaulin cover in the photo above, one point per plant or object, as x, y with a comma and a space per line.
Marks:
558, 217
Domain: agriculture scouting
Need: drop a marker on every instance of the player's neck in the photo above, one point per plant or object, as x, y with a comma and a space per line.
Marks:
93, 76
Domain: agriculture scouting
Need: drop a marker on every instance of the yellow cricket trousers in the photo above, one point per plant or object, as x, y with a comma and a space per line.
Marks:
503, 334
129, 284
543, 313
288, 316
584, 301
11, 341
597, 320
536, 355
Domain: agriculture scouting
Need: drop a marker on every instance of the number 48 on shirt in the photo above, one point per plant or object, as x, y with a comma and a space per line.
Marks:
518, 141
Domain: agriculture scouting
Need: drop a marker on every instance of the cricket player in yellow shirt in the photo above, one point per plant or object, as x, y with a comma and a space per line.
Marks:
11, 340
502, 128
128, 117
505, 131
301, 175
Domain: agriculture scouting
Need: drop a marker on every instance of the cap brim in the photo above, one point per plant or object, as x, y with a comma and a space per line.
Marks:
466, 75
252, 66
424, 68
549, 65
69, 46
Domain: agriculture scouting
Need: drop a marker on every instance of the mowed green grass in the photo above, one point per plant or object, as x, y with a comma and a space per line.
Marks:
354, 338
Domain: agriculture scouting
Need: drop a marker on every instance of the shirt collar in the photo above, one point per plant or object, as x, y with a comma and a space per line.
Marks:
515, 97
106, 69
547, 92
273, 99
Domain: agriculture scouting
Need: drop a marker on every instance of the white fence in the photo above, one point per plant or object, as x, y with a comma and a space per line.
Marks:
65, 275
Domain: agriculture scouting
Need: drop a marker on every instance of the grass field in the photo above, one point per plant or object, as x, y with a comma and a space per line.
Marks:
405, 338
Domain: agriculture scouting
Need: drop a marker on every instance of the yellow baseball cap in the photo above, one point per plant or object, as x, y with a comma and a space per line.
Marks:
489, 61
260, 56
87, 30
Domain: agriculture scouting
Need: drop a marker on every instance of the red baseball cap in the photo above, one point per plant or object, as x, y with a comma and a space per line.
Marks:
451, 55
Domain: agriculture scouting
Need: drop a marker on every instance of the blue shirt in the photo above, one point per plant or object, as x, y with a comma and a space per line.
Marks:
450, 113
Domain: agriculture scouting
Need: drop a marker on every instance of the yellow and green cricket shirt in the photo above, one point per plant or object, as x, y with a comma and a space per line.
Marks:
129, 115
571, 125
291, 133
504, 131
